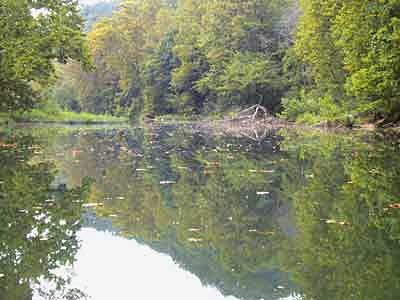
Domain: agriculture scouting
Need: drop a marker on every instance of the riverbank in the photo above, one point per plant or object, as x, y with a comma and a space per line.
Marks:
230, 124
60, 117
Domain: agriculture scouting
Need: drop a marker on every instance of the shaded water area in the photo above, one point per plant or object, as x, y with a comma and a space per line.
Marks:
174, 213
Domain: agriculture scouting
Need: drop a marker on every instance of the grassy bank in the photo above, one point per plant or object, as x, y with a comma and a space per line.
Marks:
64, 117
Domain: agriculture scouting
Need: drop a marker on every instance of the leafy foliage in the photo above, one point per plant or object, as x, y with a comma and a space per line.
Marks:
32, 35
352, 50
315, 60
188, 57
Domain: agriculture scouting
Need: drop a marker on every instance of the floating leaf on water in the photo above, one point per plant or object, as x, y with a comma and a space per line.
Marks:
76, 152
261, 171
167, 182
331, 221
194, 240
141, 170
212, 163
267, 232
183, 168
395, 206
252, 230
3, 145
263, 193
86, 205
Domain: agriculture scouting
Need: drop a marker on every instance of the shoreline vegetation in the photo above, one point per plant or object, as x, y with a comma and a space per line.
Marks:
323, 63
60, 117
224, 124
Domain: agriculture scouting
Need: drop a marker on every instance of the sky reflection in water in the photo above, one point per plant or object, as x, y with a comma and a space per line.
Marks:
111, 267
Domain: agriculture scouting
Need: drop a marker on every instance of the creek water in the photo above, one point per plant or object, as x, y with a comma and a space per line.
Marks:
172, 212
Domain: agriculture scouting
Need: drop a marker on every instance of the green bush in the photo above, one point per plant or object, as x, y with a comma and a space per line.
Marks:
310, 109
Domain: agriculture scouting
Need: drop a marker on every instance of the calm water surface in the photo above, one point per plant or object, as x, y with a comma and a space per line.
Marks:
176, 213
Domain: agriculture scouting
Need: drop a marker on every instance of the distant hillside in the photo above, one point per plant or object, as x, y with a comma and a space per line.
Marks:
93, 10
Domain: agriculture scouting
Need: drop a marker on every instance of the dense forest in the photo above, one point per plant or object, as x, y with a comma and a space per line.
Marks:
307, 61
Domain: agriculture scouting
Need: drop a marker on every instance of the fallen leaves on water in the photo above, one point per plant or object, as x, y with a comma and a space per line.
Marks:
4, 145
212, 163
375, 172
261, 171
194, 240
392, 206
87, 205
167, 182
76, 152
332, 221
395, 205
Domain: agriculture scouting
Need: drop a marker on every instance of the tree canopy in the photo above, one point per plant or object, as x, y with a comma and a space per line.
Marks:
307, 60
32, 35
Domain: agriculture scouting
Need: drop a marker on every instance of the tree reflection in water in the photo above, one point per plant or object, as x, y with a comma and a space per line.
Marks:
38, 224
299, 213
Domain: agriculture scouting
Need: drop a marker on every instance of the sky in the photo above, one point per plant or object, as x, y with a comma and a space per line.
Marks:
92, 1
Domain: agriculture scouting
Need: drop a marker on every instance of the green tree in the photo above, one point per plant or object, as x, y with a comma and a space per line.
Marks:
351, 48
32, 35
